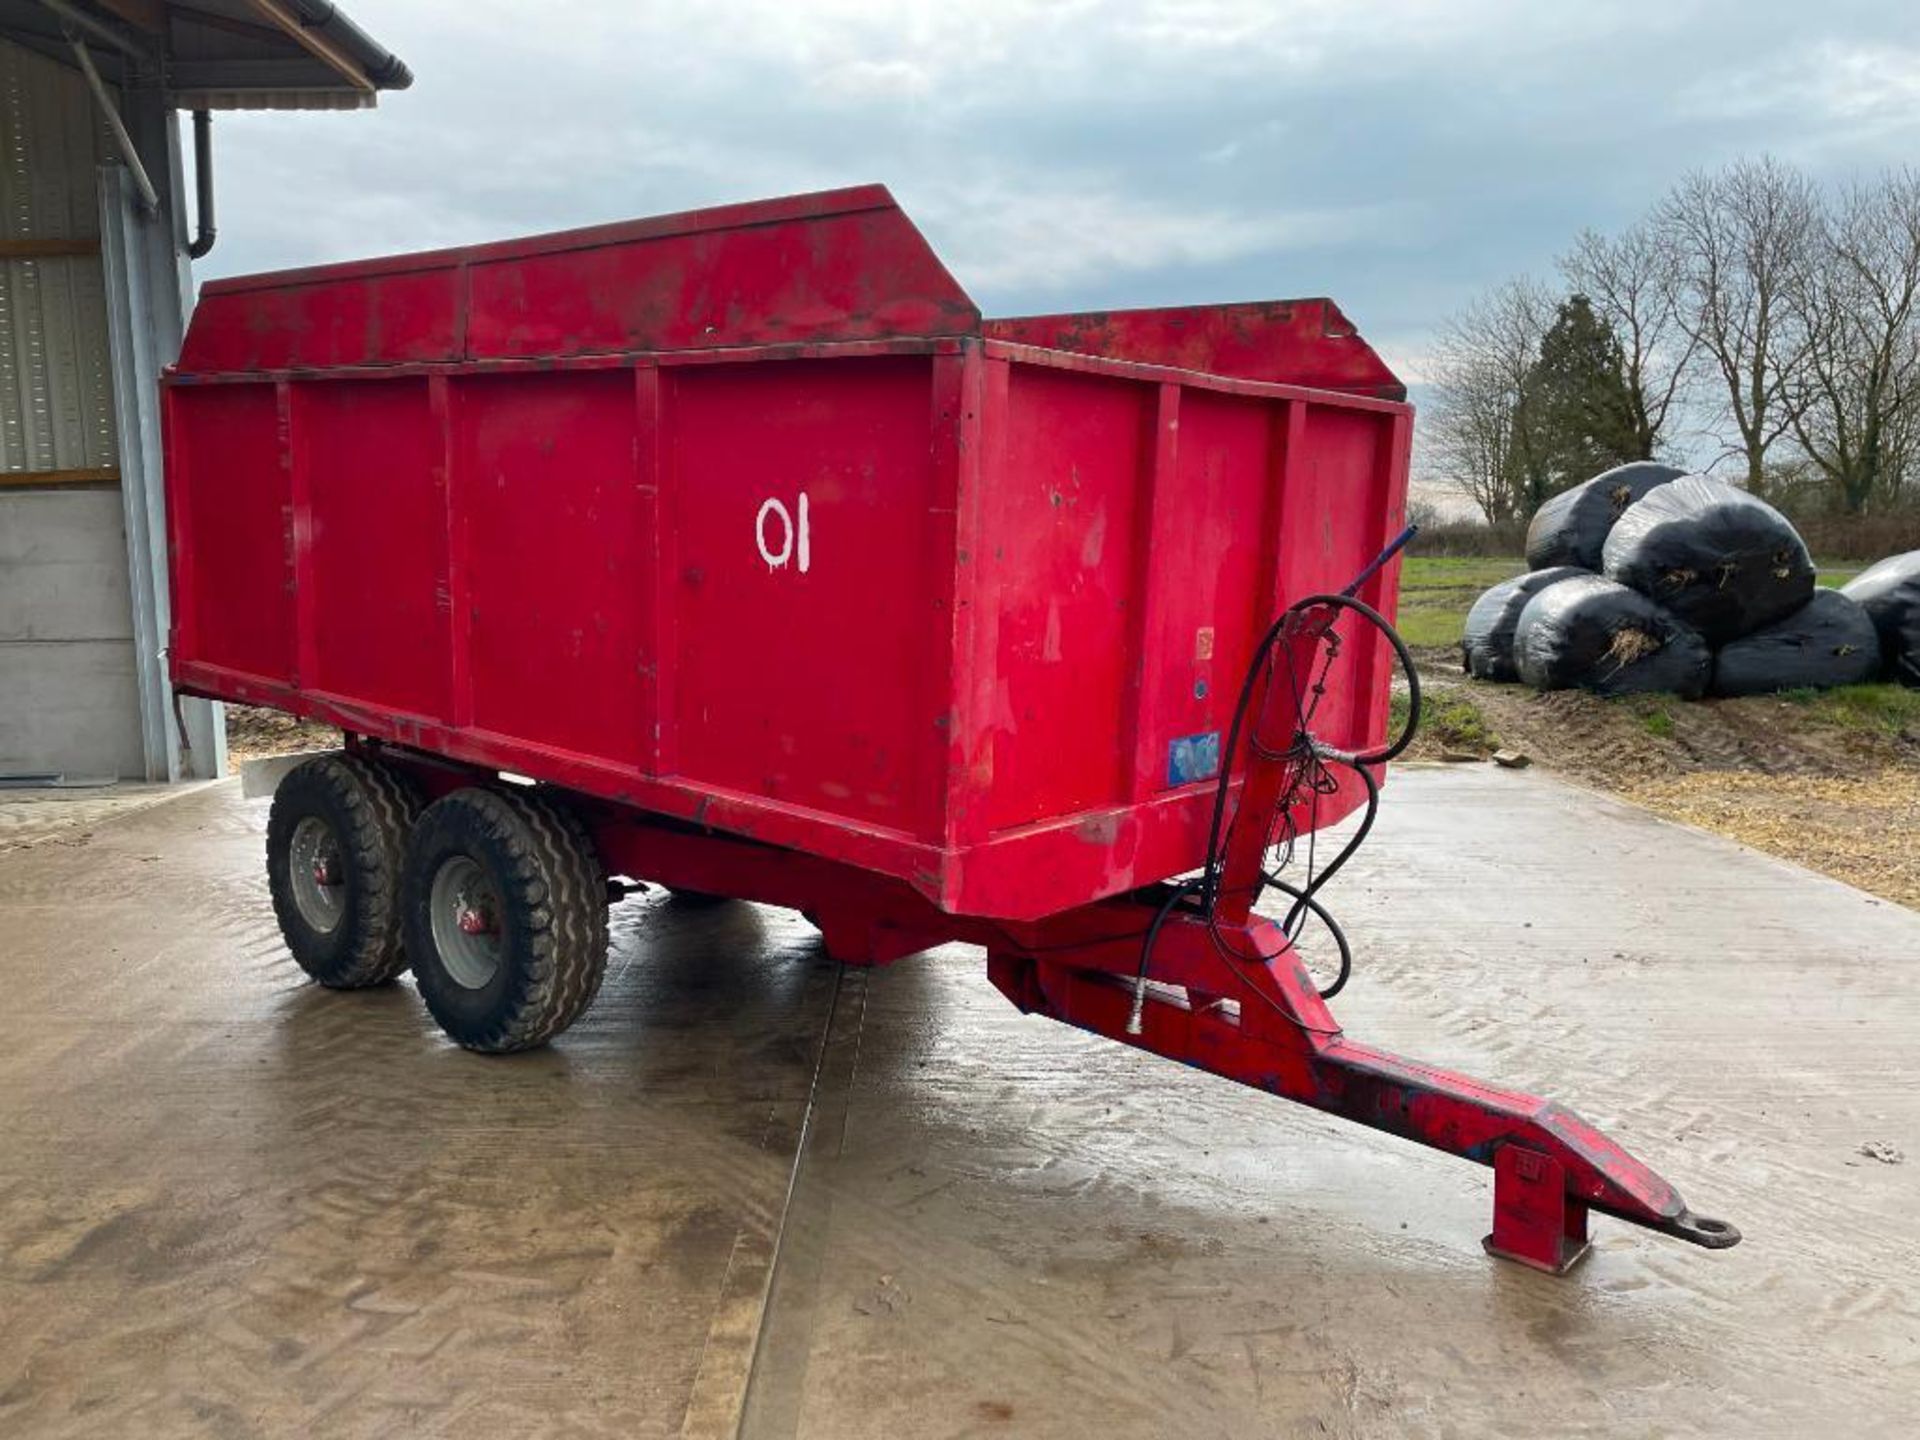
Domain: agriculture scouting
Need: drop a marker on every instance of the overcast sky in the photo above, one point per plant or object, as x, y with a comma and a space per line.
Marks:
1394, 154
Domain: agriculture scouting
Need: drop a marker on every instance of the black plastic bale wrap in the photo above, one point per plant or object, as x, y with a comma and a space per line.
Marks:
1597, 635
1572, 527
1890, 594
1487, 648
1722, 560
1828, 641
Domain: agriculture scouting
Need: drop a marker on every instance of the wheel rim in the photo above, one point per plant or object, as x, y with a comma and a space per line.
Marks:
466, 922
318, 874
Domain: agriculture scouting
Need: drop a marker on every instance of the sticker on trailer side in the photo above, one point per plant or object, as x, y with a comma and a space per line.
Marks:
1193, 757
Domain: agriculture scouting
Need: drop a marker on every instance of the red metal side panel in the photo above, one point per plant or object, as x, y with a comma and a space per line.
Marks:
1341, 517
556, 560
838, 265
810, 610
846, 276
233, 509
373, 319
1288, 342
1015, 580
377, 535
1241, 499
1065, 527
1206, 587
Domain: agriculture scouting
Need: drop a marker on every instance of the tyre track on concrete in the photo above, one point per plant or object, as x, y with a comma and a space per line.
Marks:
233, 1204
1057, 1219
823, 1211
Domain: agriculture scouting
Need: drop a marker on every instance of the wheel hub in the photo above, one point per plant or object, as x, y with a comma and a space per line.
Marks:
465, 913
318, 874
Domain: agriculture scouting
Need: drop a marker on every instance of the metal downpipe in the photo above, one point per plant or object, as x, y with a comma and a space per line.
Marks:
203, 232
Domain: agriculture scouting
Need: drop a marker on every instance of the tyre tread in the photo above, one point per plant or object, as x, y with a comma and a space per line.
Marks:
380, 805
558, 880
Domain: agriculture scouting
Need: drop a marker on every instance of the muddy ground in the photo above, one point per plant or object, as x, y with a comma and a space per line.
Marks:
253, 733
1828, 784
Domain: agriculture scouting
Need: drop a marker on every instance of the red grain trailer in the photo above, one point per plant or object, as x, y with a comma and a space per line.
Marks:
784, 576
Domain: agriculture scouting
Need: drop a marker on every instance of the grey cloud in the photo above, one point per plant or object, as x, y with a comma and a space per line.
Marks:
1399, 156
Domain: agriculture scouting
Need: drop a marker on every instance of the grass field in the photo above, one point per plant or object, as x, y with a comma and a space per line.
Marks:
1885, 709
1437, 591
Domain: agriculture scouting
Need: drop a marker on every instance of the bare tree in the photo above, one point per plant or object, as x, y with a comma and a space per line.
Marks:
1480, 432
1899, 484
1737, 239
1633, 281
1856, 298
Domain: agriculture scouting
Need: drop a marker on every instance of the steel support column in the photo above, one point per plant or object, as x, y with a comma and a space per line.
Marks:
148, 291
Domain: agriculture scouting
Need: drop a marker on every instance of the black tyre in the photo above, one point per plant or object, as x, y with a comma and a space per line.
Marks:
336, 837
505, 906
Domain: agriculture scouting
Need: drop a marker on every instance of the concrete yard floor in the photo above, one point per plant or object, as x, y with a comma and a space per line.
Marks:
234, 1204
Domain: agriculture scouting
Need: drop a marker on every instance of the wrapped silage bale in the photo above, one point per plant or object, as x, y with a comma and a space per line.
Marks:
1722, 560
1828, 641
1890, 594
1486, 649
1572, 527
1595, 634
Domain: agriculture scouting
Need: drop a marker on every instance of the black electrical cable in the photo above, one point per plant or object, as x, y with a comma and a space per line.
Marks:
1210, 893
1185, 887
1261, 659
1311, 759
1372, 812
1401, 653
1305, 903
1254, 990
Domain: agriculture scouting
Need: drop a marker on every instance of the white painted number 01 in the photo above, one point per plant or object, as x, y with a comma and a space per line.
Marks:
780, 537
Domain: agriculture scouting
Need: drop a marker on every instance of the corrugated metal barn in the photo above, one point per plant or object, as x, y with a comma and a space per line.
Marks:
98, 229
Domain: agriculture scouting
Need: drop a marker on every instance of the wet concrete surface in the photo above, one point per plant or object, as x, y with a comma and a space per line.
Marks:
233, 1204
33, 815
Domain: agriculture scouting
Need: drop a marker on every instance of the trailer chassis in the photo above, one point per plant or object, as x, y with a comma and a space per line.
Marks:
1228, 992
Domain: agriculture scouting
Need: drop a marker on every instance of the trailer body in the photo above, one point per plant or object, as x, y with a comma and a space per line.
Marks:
745, 517
790, 578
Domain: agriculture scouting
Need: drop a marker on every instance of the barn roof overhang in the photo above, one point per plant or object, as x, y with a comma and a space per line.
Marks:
218, 54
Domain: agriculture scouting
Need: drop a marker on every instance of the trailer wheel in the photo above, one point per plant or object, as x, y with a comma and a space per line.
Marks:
335, 840
505, 906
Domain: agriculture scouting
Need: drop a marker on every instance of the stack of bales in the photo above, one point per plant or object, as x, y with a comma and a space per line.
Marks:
1645, 578
1890, 594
